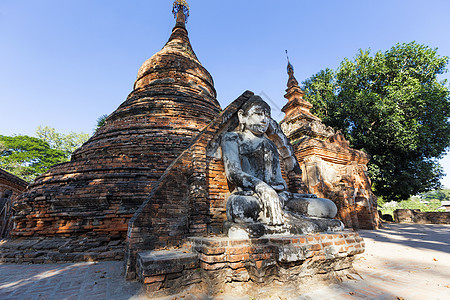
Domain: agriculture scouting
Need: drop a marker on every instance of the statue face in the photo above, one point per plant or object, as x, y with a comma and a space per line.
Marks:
256, 120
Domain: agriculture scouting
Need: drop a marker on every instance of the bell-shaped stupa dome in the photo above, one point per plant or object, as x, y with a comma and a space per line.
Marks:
97, 192
173, 99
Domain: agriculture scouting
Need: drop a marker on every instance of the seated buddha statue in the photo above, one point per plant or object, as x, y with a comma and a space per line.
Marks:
252, 166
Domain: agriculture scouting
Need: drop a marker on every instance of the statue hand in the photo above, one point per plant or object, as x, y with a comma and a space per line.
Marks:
272, 212
263, 188
279, 187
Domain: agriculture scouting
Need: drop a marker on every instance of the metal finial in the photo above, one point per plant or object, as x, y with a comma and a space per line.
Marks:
180, 5
289, 66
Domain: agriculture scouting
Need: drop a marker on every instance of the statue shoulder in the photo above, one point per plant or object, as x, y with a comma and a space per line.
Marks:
231, 137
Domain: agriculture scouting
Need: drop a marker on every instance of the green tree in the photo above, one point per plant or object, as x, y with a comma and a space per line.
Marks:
441, 195
64, 142
27, 157
100, 121
392, 106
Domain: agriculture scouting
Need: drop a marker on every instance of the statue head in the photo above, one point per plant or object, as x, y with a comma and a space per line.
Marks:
254, 116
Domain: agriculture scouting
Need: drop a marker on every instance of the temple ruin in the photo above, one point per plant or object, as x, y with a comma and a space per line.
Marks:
330, 167
11, 187
150, 187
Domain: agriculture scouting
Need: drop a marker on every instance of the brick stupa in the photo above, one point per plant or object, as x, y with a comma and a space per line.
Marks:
330, 167
97, 192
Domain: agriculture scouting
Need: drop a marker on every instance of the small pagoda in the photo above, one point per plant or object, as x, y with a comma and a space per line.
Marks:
330, 167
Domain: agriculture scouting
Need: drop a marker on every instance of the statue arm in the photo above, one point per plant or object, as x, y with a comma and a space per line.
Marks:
285, 149
232, 163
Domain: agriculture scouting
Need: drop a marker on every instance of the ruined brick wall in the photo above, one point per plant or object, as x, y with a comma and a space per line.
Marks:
416, 216
241, 267
331, 169
10, 188
261, 258
111, 175
218, 192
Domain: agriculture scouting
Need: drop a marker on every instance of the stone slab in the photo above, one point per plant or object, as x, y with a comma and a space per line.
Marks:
59, 250
165, 261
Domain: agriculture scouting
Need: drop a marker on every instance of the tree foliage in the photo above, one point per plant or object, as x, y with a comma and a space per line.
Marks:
67, 143
27, 157
431, 205
441, 195
100, 121
392, 106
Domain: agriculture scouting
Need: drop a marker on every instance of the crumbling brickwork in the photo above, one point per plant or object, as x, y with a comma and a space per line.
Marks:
419, 217
216, 264
330, 168
110, 176
10, 188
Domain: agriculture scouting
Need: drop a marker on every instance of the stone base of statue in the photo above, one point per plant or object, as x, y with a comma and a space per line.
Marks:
244, 216
283, 266
294, 225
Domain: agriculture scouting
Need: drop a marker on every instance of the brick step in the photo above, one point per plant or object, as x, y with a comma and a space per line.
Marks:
168, 271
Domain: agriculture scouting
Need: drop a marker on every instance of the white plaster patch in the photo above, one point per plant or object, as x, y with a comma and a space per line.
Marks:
237, 233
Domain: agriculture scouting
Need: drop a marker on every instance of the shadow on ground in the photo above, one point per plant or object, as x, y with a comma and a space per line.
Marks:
425, 236
86, 280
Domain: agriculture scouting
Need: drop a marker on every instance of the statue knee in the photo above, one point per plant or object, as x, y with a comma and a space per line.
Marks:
323, 208
243, 208
313, 207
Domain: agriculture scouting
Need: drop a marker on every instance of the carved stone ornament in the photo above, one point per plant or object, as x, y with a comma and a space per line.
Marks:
307, 127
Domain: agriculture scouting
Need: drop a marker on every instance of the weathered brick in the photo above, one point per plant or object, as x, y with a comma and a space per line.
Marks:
236, 265
315, 247
152, 279
238, 257
339, 242
215, 266
237, 250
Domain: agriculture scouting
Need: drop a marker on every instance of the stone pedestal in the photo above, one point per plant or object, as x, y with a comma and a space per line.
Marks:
215, 265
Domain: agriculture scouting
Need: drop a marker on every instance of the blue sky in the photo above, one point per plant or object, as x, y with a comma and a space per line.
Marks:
64, 63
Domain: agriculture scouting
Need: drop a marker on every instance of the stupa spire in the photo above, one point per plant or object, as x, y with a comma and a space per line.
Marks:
292, 82
294, 94
180, 12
